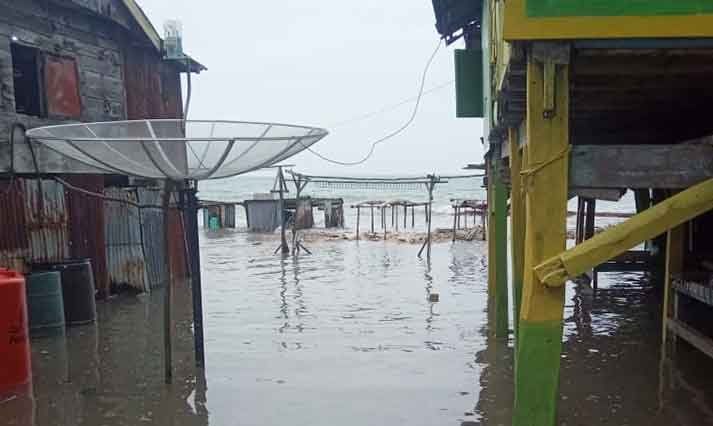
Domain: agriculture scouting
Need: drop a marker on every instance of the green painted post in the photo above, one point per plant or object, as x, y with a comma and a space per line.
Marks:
500, 207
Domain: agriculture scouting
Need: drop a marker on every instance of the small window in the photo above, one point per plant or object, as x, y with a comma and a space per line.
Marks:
26, 76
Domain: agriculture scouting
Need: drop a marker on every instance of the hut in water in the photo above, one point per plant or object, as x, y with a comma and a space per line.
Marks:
68, 61
587, 99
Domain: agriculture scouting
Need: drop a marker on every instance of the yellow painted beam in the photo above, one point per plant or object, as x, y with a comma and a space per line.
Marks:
519, 26
646, 225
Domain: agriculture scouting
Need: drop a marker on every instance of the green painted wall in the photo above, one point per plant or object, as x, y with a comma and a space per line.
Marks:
564, 8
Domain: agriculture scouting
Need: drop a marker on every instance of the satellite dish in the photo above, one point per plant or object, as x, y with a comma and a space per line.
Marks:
178, 149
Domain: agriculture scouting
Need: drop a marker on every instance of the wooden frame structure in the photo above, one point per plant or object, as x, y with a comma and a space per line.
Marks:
590, 99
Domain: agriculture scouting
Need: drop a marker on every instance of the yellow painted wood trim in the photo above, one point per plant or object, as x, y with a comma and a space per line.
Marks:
144, 23
518, 26
546, 190
646, 225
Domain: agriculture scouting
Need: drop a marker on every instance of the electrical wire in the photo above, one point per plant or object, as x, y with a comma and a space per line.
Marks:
392, 134
391, 107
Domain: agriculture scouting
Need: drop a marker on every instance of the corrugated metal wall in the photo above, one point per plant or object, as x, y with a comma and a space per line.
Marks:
124, 246
152, 235
46, 220
42, 222
14, 246
86, 227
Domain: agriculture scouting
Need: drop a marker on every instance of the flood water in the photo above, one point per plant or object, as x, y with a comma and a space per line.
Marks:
348, 336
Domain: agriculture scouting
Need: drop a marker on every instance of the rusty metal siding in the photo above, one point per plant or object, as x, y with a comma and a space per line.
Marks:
152, 236
178, 248
14, 246
124, 248
153, 87
87, 238
46, 220
62, 87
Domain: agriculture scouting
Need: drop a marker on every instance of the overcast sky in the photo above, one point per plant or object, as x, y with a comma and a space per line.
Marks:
323, 62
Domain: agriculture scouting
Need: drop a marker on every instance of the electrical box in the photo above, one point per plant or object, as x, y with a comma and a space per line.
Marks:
469, 83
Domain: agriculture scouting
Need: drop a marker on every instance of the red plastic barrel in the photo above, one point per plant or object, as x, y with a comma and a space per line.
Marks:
15, 368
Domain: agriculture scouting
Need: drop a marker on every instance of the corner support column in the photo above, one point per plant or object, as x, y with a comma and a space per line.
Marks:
546, 186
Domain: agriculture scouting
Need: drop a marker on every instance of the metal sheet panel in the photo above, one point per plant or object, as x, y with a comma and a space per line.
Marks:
87, 237
14, 245
46, 220
153, 237
62, 87
125, 255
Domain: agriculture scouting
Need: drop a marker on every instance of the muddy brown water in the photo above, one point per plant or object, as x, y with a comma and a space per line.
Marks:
348, 336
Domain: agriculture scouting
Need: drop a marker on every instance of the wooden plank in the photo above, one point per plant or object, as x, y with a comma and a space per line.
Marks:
597, 193
640, 166
691, 335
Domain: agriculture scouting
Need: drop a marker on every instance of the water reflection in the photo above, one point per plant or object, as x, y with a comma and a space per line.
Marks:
110, 372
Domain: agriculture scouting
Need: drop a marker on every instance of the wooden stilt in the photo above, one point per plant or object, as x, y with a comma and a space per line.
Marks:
500, 242
590, 218
455, 213
546, 176
372, 219
579, 230
517, 225
413, 216
675, 247
357, 226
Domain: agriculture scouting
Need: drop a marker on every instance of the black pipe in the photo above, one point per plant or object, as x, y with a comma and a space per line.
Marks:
194, 260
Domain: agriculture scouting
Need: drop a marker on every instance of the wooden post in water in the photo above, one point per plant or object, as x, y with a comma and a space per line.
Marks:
430, 185
358, 217
413, 216
590, 218
372, 218
675, 248
284, 247
500, 243
579, 229
455, 213
546, 182
517, 221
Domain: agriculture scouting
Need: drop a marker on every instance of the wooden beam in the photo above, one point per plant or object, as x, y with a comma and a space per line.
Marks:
640, 166
646, 225
692, 336
597, 193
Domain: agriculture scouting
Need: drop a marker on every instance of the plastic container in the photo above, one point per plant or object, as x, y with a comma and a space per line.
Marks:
45, 304
77, 290
15, 365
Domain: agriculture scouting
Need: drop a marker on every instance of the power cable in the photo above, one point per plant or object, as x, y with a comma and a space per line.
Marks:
392, 134
391, 107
